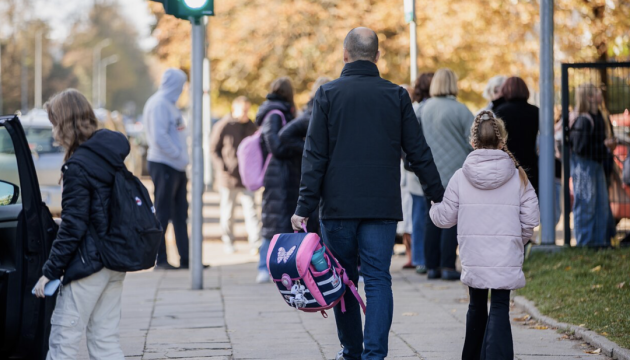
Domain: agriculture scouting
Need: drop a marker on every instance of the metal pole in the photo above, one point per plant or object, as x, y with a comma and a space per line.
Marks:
96, 69
546, 160
566, 168
207, 126
196, 83
102, 93
1, 97
413, 52
38, 70
24, 91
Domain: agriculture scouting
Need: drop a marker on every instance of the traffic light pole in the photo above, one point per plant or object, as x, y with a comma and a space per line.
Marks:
196, 84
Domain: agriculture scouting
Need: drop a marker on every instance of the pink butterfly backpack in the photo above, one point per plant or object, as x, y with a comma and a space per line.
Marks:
299, 283
252, 165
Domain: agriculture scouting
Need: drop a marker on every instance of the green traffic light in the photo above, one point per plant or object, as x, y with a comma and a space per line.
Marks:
195, 4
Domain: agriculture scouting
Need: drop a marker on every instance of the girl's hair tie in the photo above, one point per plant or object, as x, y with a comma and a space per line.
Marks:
485, 117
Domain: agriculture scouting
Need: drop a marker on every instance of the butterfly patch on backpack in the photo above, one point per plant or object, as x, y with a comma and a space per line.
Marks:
284, 255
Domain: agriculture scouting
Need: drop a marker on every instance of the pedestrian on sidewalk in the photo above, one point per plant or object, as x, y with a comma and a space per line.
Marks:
420, 210
496, 209
275, 211
405, 227
521, 122
446, 123
91, 294
167, 161
227, 135
592, 141
351, 168
492, 92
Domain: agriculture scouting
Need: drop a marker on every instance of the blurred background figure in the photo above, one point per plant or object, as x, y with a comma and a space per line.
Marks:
492, 92
446, 123
419, 213
276, 213
592, 141
226, 136
167, 161
405, 227
521, 123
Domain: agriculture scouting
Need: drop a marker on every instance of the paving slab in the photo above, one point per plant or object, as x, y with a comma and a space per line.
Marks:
235, 318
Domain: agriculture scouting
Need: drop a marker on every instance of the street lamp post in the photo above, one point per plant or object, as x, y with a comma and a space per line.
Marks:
410, 17
96, 69
38, 69
102, 93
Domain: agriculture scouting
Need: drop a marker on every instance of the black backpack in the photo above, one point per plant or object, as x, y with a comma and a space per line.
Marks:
134, 233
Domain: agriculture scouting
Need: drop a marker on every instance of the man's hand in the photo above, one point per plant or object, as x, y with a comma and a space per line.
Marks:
611, 143
39, 287
298, 222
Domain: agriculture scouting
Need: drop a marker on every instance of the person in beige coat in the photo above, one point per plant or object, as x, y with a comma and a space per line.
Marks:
496, 209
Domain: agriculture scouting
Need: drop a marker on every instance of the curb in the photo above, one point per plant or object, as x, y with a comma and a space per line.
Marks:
608, 347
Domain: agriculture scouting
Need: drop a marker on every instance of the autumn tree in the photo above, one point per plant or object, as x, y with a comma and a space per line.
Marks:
251, 42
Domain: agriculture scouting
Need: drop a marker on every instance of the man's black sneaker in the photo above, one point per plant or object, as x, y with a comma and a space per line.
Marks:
451, 275
433, 274
165, 266
186, 266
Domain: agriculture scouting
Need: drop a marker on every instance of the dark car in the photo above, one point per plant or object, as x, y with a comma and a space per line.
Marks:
27, 230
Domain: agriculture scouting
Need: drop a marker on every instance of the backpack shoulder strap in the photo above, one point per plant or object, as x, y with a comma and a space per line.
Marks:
276, 112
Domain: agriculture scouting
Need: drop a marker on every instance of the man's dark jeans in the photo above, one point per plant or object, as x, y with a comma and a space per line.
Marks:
488, 337
171, 204
440, 245
373, 241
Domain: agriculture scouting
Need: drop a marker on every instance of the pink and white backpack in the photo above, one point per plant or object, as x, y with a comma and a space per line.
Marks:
301, 286
251, 163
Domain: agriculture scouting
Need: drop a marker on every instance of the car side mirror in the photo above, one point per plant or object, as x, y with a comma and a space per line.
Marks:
9, 193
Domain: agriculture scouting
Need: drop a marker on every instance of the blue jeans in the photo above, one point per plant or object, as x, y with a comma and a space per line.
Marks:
372, 240
591, 209
262, 261
418, 216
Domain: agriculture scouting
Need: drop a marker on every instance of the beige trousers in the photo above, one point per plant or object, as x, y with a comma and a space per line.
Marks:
92, 303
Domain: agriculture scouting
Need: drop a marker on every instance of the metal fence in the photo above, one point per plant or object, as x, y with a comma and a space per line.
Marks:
595, 194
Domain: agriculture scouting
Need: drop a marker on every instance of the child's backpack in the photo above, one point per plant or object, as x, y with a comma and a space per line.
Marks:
134, 233
251, 163
299, 283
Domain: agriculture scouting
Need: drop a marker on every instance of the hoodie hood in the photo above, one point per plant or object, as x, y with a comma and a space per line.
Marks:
274, 102
488, 169
102, 154
172, 84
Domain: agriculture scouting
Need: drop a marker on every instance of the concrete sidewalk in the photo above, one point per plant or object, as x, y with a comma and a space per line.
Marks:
234, 318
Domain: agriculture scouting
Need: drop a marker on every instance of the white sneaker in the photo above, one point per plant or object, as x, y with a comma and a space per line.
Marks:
229, 249
263, 277
254, 251
339, 355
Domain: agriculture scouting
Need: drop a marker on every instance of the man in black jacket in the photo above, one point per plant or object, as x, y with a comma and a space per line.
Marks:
351, 167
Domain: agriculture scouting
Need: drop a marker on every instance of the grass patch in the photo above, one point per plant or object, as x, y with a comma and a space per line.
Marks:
582, 286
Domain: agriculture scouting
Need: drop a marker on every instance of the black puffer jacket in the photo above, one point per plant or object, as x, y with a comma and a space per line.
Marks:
296, 131
276, 210
87, 181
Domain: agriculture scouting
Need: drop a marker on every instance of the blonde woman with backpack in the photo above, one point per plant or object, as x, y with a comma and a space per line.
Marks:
495, 209
89, 299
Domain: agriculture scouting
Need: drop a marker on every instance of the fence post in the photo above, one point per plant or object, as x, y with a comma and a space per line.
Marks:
566, 167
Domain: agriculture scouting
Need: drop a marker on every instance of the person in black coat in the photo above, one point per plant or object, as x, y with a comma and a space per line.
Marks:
91, 293
351, 170
521, 123
276, 200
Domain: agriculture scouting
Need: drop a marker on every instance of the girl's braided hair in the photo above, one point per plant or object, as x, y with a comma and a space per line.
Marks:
488, 132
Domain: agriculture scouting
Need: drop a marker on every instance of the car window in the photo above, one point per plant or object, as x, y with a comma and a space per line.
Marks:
8, 161
41, 140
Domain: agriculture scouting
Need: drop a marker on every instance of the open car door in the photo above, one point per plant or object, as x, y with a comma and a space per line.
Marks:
26, 233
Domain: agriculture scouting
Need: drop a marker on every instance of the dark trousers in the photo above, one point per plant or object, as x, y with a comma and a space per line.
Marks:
373, 241
171, 204
488, 337
440, 245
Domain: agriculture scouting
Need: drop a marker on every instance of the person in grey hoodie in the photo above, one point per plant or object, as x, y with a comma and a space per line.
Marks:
167, 161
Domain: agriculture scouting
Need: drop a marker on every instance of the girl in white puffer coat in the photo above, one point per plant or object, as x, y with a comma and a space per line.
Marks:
495, 209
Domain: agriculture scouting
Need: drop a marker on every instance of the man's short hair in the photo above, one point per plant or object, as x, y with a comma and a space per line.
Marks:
241, 100
361, 47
